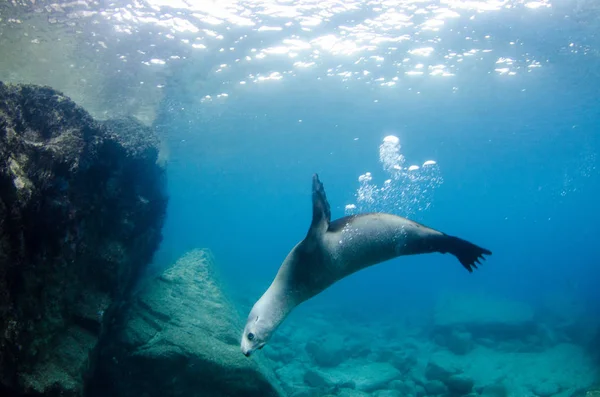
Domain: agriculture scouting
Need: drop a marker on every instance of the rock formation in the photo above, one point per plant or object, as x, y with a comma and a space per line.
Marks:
82, 204
461, 320
180, 337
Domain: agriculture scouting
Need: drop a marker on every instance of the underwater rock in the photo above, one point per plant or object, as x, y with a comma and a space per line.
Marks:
280, 353
291, 376
482, 317
593, 391
179, 336
82, 205
404, 361
435, 387
546, 389
332, 350
344, 392
404, 387
459, 384
457, 342
367, 376
440, 369
327, 352
313, 379
309, 392
387, 393
494, 390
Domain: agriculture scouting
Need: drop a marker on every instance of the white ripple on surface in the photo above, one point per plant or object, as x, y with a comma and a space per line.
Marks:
390, 44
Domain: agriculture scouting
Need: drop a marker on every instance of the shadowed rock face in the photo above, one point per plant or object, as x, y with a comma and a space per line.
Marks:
179, 336
82, 204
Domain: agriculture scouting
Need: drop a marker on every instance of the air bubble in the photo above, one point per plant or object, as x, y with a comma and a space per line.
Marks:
406, 191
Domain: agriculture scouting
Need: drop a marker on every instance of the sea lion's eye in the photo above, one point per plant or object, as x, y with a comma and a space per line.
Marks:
250, 336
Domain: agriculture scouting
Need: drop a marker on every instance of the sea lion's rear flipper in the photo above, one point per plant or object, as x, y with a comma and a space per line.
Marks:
321, 210
468, 254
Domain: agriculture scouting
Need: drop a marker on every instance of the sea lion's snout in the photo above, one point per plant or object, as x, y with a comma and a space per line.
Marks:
246, 347
253, 337
246, 350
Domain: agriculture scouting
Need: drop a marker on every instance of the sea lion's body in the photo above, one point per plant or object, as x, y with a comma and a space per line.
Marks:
333, 250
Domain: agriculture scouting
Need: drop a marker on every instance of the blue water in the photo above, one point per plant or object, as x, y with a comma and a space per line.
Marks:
517, 155
502, 95
514, 167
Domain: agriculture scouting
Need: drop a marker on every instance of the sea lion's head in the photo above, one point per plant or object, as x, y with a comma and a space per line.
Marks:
268, 313
256, 334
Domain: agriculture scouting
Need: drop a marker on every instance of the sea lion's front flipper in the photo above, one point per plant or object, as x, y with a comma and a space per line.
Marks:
321, 210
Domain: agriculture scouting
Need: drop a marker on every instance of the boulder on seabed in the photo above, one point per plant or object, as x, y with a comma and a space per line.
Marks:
435, 387
406, 387
387, 393
456, 341
494, 390
546, 389
404, 361
332, 350
458, 318
364, 376
449, 375
439, 369
460, 384
345, 392
314, 379
82, 204
180, 337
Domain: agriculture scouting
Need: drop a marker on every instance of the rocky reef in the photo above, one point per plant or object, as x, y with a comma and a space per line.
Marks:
82, 205
468, 354
179, 336
461, 322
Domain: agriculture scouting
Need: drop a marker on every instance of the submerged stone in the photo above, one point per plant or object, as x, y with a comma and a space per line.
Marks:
332, 350
344, 392
440, 369
460, 384
367, 377
546, 389
314, 379
494, 390
387, 393
458, 318
435, 387
180, 337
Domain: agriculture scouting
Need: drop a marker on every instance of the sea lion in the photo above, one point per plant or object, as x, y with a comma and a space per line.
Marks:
333, 250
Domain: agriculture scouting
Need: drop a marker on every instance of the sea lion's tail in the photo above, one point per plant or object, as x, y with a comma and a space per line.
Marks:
468, 254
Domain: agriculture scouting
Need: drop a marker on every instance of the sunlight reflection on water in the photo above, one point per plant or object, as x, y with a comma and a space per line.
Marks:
382, 43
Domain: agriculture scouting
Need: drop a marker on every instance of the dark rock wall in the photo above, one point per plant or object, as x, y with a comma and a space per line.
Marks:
82, 204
